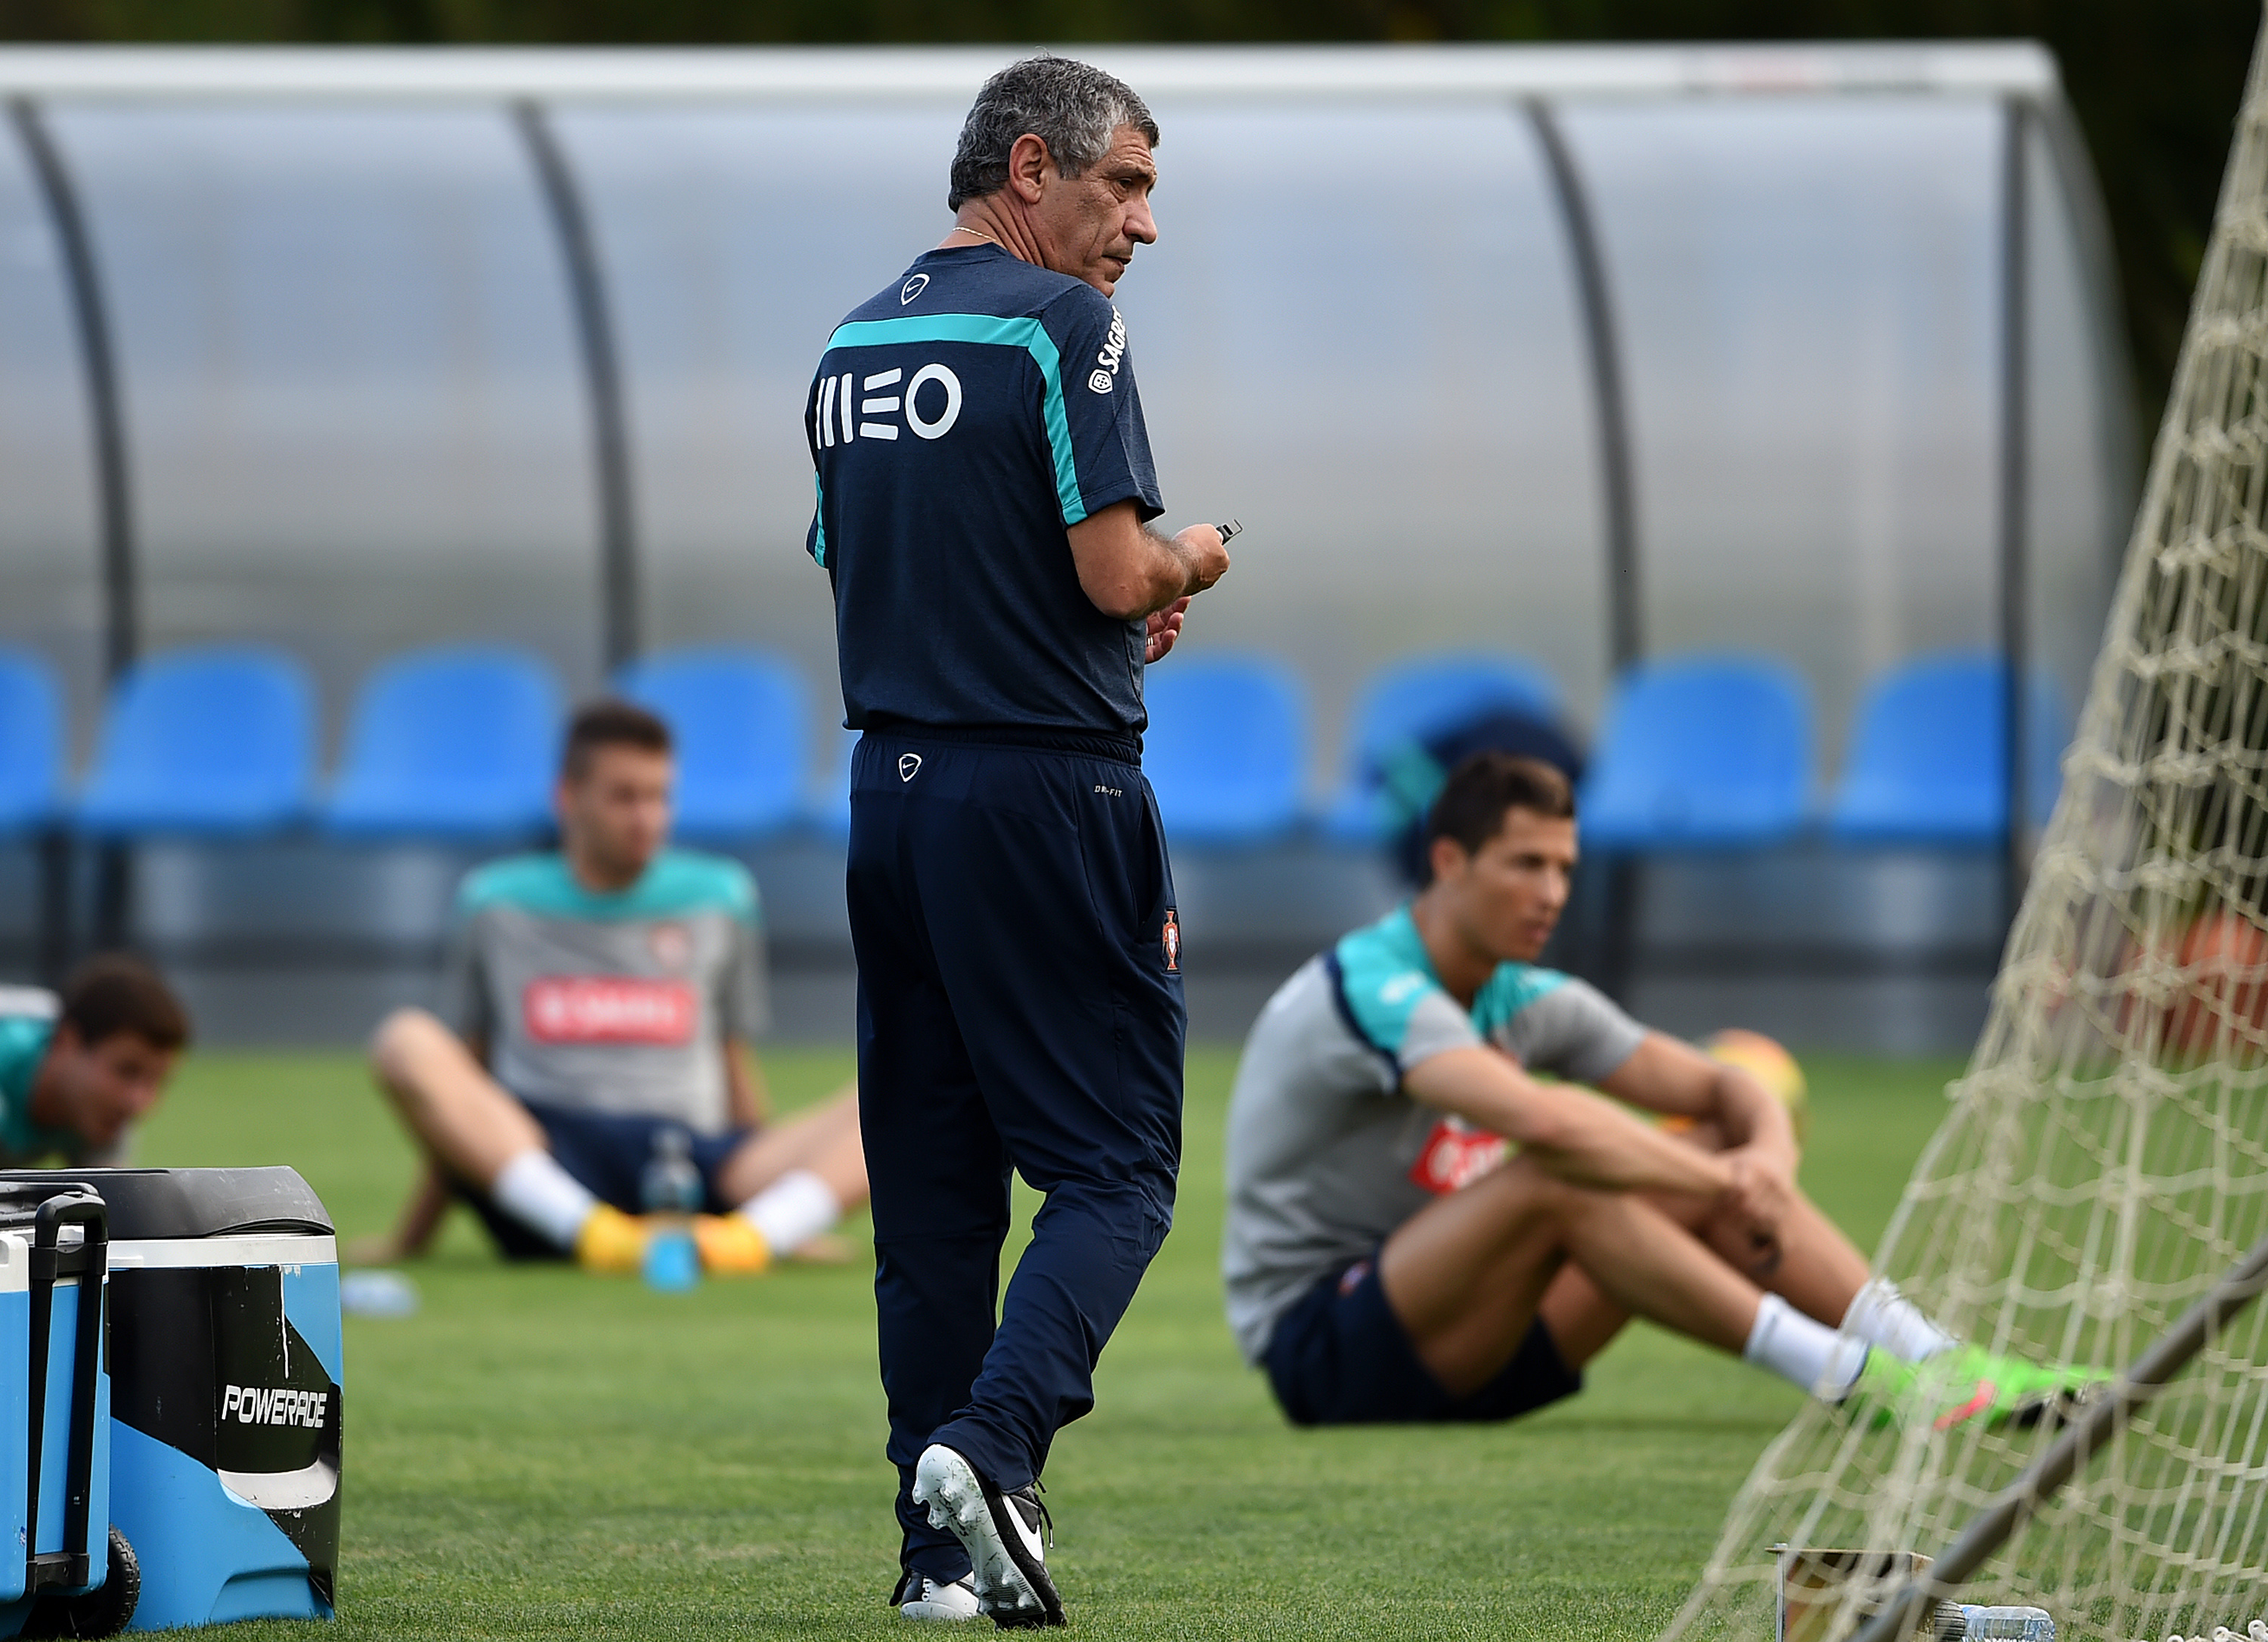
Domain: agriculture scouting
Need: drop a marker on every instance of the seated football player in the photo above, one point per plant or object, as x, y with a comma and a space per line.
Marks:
77, 1072
600, 1001
1431, 1219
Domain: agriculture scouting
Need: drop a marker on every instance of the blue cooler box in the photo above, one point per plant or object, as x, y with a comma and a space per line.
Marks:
225, 1378
55, 1416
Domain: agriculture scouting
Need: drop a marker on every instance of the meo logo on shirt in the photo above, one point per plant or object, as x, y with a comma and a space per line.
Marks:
929, 415
607, 1009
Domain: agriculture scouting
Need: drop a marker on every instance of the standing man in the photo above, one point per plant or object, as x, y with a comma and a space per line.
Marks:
985, 492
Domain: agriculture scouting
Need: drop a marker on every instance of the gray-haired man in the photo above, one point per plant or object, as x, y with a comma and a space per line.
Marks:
984, 488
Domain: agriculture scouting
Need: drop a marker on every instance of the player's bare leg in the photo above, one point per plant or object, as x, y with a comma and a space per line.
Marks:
414, 1228
1583, 1322
1811, 1265
473, 1131
823, 1139
1467, 1275
462, 1117
790, 1181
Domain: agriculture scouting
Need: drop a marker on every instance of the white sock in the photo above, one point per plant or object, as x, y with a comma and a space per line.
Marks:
792, 1210
535, 1191
1882, 1316
1807, 1354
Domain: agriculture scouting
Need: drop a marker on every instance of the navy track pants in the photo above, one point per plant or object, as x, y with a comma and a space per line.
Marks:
1019, 1007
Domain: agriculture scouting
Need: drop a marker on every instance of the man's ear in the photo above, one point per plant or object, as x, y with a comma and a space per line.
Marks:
1444, 854
1028, 165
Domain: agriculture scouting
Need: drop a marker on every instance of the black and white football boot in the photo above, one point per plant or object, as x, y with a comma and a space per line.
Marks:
917, 1596
1005, 1535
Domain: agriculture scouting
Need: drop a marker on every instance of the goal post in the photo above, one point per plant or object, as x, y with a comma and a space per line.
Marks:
2099, 1184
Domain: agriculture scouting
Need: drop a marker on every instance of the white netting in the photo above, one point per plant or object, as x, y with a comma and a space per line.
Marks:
2106, 1159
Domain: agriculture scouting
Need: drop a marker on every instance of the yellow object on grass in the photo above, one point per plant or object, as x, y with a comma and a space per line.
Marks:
611, 1241
1770, 1065
730, 1246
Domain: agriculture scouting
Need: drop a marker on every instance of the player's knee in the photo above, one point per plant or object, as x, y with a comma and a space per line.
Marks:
395, 1046
1521, 1193
1572, 1205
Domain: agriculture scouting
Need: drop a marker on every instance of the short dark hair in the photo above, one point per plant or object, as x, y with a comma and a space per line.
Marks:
118, 993
1074, 107
1481, 791
610, 723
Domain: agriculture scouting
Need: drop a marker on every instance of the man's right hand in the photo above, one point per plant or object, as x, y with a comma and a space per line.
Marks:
1206, 555
1129, 571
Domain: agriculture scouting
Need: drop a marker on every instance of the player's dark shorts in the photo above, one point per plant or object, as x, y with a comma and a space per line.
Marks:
1340, 1357
607, 1151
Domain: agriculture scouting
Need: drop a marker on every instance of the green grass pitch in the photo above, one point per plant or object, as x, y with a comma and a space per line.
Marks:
539, 1454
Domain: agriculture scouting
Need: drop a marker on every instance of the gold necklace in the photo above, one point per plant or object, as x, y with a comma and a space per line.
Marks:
962, 228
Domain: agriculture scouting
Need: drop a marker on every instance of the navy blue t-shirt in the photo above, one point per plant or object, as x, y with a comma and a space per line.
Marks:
960, 422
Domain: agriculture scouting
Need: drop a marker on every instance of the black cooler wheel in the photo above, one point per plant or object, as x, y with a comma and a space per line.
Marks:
103, 1611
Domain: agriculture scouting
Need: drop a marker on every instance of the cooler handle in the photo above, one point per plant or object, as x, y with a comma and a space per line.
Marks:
90, 1262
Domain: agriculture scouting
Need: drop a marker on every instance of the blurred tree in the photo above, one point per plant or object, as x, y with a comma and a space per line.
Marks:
2155, 83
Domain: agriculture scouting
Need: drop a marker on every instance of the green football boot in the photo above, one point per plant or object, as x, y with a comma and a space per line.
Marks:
1964, 1384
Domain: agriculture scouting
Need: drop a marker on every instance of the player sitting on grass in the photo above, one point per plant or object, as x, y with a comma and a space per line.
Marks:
600, 995
1388, 1260
77, 1072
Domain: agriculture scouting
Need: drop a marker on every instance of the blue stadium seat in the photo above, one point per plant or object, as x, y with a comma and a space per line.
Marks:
1926, 760
1407, 701
1226, 749
739, 718
31, 742
1701, 751
209, 742
451, 743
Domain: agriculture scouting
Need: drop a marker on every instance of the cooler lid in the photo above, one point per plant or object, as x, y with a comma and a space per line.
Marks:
150, 1203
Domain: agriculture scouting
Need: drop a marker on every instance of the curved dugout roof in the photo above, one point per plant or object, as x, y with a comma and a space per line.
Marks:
1580, 352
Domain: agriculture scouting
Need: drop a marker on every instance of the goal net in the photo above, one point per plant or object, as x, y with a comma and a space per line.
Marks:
2105, 1159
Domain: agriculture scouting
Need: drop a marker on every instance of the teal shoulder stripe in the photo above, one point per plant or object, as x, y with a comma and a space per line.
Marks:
1384, 974
515, 877
1026, 333
819, 520
1512, 988
678, 881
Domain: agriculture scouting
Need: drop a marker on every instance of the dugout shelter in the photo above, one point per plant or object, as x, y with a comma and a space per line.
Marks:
1590, 356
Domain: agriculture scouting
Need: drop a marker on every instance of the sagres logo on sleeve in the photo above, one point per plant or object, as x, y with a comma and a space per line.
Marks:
1105, 375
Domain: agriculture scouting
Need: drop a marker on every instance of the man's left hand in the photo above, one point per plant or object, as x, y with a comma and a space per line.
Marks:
1164, 629
1763, 1186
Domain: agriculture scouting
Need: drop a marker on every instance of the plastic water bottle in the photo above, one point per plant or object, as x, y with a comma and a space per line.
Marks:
2013, 1624
377, 1294
671, 1193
